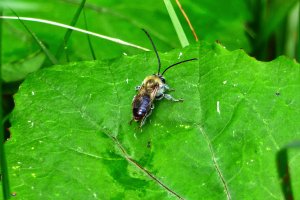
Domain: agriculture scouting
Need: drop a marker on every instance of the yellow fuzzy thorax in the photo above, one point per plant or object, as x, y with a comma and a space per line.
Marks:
151, 84
152, 81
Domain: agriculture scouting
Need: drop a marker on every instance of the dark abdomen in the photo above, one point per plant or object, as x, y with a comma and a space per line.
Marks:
141, 107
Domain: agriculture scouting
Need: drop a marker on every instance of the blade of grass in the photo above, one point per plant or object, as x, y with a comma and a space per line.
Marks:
259, 10
281, 37
187, 20
65, 48
298, 46
278, 11
88, 37
290, 46
179, 30
49, 55
118, 41
3, 165
69, 31
283, 169
274, 14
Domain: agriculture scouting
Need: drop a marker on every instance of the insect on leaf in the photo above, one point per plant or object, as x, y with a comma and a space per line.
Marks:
71, 137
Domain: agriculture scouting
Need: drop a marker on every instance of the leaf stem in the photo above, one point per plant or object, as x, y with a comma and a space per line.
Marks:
88, 37
69, 31
49, 55
187, 20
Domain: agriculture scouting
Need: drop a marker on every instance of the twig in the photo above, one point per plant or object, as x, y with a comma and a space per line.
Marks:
187, 19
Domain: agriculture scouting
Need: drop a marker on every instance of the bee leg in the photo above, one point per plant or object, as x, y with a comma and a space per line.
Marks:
137, 88
133, 98
169, 97
159, 97
168, 88
171, 89
143, 121
152, 107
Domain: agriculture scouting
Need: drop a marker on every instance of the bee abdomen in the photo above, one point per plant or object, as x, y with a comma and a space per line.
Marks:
141, 110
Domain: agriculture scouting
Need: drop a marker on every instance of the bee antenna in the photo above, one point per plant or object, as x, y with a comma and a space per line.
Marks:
159, 65
178, 64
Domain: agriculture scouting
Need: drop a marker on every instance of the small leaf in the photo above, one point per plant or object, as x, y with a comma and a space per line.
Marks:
71, 137
18, 70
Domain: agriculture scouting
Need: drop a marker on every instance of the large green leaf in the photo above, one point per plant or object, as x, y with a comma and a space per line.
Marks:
71, 137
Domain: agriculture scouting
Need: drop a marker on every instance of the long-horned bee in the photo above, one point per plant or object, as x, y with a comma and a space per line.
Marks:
153, 88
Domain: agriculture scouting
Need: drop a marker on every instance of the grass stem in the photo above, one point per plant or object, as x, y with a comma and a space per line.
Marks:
176, 23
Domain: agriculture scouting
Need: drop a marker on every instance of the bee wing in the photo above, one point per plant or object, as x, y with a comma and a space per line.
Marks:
154, 92
142, 93
137, 100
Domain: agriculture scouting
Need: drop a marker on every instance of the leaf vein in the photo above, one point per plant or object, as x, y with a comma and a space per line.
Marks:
226, 189
116, 142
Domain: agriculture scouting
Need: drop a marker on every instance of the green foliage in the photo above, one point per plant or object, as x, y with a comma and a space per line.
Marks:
71, 137
284, 170
127, 18
18, 70
70, 133
270, 27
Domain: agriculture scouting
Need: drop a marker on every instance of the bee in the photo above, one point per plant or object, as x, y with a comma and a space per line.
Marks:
152, 88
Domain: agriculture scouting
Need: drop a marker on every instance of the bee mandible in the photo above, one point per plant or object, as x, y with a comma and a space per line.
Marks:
152, 88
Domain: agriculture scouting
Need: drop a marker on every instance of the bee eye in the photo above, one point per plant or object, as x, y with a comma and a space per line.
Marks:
163, 80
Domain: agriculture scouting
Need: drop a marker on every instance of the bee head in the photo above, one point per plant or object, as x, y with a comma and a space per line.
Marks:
162, 78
